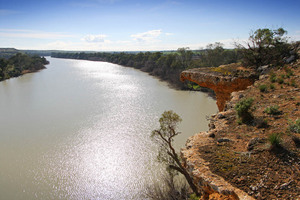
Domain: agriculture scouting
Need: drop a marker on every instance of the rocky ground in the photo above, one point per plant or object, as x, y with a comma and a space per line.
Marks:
242, 153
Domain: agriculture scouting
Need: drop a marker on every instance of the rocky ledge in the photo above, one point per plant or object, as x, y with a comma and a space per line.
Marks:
211, 185
222, 80
235, 160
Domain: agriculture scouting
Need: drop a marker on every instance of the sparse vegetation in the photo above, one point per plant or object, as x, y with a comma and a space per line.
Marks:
293, 83
272, 110
280, 80
273, 78
272, 86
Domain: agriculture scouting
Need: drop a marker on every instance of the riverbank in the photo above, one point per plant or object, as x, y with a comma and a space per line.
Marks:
20, 64
258, 158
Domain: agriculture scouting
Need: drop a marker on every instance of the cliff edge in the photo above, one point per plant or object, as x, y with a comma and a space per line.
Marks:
238, 160
223, 80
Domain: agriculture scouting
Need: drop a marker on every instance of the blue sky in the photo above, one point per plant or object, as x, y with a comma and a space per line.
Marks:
124, 25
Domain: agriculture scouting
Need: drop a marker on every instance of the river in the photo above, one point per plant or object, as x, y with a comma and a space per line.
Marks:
81, 130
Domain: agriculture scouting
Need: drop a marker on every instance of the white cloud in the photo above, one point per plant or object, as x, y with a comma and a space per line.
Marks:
19, 33
94, 38
169, 34
149, 36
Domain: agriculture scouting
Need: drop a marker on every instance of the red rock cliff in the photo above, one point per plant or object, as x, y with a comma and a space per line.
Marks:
222, 82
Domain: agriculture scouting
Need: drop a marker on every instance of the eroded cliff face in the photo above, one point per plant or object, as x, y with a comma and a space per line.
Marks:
223, 83
212, 186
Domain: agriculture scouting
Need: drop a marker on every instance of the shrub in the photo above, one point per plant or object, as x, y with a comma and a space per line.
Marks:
293, 83
194, 197
260, 122
273, 78
272, 87
295, 127
289, 72
243, 109
275, 139
263, 88
272, 110
280, 80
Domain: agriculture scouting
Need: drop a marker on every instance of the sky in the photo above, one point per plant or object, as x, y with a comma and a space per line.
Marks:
140, 25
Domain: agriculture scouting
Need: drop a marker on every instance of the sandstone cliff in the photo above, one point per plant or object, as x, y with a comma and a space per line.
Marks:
222, 80
237, 161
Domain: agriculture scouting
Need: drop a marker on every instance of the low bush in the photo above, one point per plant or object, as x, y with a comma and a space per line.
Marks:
272, 110
295, 127
273, 77
280, 80
272, 86
243, 109
275, 139
263, 88
293, 83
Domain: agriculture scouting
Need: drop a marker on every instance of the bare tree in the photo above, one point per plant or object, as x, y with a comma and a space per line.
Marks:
164, 136
167, 189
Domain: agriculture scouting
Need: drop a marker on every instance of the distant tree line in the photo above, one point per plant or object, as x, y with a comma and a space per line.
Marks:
20, 64
264, 47
165, 65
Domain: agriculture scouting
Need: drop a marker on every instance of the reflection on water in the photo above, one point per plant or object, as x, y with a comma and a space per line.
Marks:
80, 130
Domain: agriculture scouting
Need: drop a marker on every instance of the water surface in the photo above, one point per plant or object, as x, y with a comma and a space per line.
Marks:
80, 130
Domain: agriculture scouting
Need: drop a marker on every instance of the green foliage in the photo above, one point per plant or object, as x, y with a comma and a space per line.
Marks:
272, 110
19, 64
185, 57
293, 83
263, 88
194, 197
168, 122
280, 80
288, 71
266, 47
275, 139
273, 77
215, 55
272, 86
164, 136
164, 66
295, 127
243, 109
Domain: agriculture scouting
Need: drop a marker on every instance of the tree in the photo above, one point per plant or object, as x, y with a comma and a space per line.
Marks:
214, 54
167, 154
185, 57
266, 47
